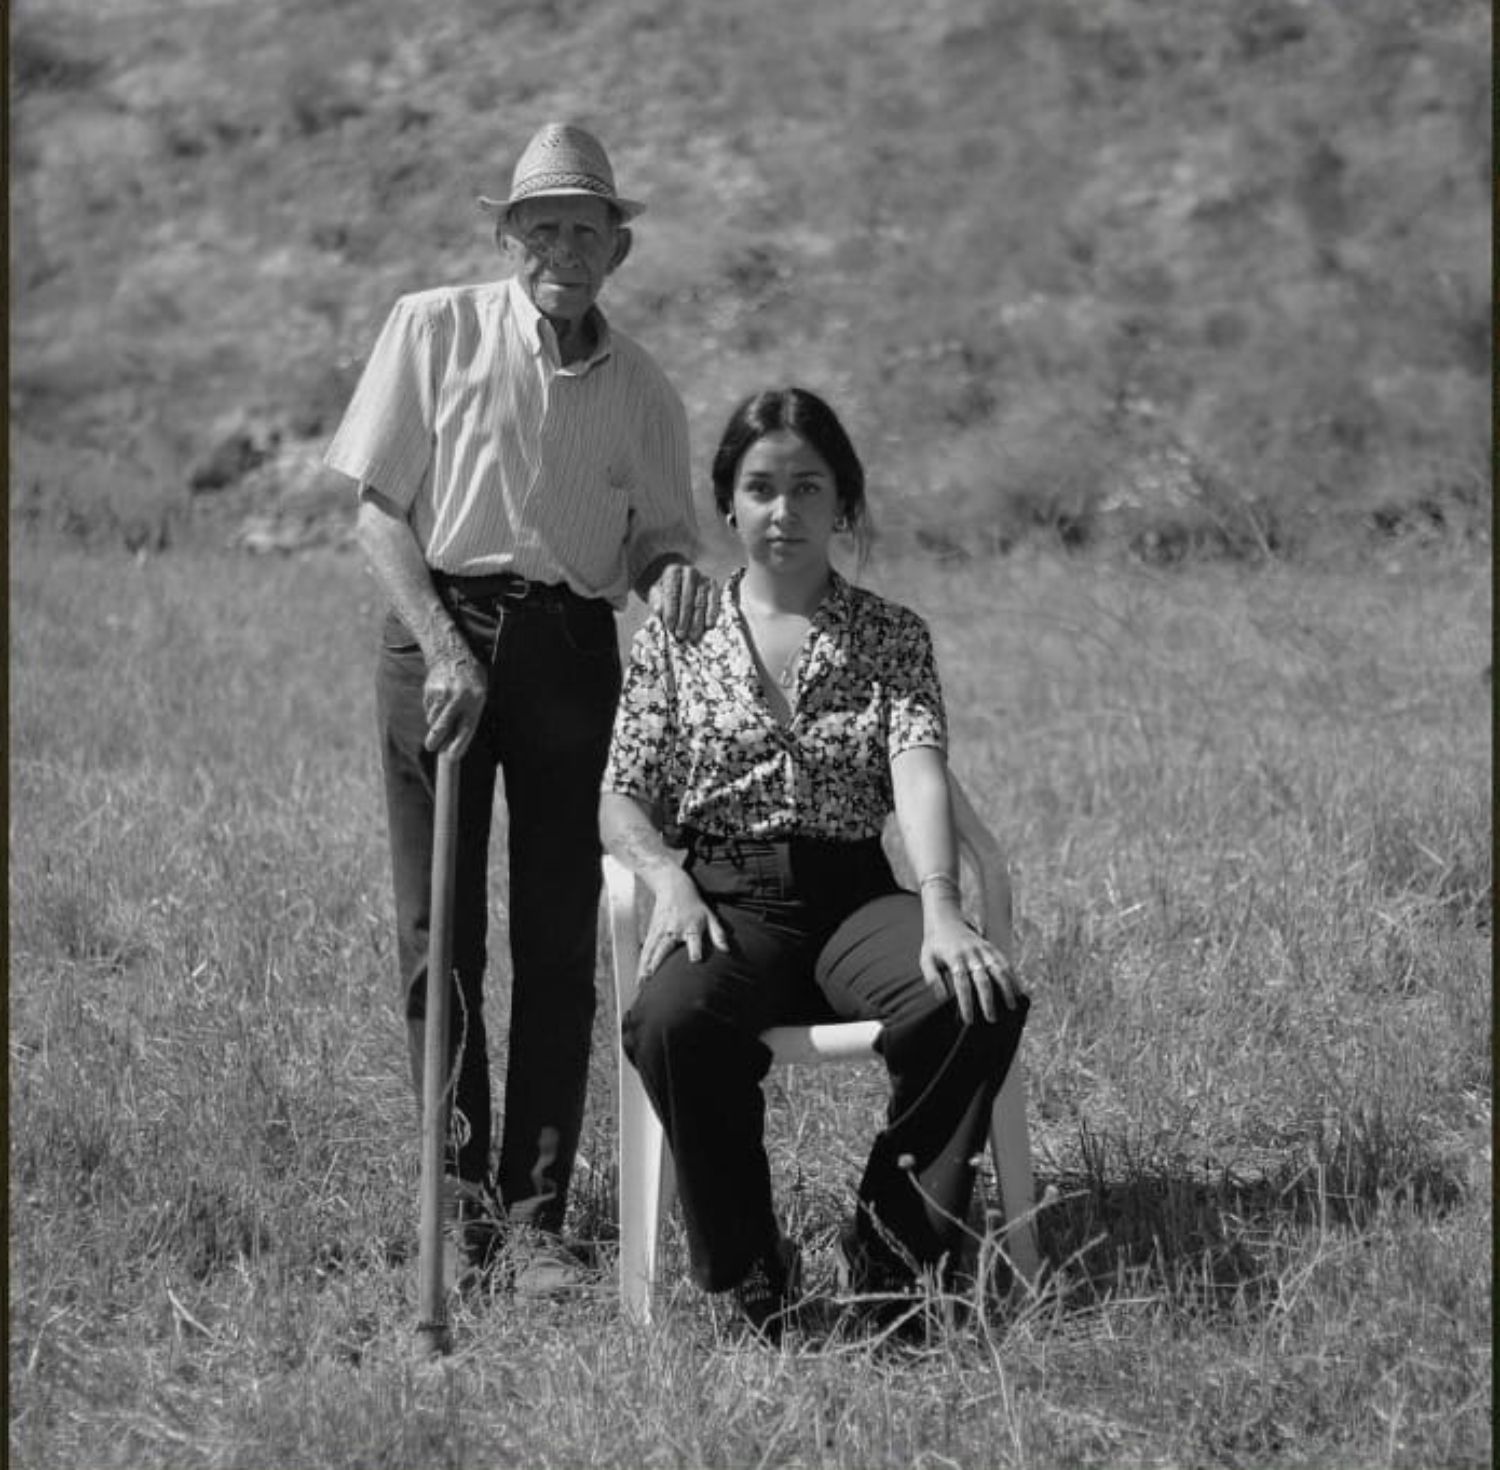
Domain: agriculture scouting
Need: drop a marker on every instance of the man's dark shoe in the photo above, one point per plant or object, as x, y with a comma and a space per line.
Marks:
539, 1264
767, 1294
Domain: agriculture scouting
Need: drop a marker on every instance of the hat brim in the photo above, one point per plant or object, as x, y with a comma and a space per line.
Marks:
628, 208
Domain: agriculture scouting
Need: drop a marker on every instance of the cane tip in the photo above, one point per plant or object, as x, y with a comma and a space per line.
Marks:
430, 1341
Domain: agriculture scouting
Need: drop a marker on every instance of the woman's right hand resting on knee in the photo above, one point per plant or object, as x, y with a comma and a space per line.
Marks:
678, 912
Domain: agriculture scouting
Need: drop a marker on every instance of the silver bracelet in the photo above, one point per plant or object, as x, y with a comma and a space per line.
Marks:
947, 878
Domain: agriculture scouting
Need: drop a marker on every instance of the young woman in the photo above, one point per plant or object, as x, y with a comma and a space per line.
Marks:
774, 751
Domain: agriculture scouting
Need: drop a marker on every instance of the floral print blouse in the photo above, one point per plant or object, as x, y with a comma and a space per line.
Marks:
696, 734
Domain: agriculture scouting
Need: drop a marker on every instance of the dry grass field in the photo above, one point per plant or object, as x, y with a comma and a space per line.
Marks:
1250, 821
1166, 333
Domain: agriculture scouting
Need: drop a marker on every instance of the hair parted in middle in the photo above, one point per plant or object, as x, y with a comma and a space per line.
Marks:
799, 411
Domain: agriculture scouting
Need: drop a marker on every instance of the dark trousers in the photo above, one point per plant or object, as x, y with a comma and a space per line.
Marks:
817, 932
554, 678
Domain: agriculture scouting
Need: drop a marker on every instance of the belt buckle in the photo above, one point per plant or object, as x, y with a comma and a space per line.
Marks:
519, 591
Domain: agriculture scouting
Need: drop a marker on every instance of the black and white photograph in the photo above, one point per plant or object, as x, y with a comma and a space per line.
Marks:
750, 735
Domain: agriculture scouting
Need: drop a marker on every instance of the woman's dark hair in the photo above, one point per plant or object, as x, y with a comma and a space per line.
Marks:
801, 412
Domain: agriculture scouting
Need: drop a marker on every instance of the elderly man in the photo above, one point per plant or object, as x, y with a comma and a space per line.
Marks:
521, 466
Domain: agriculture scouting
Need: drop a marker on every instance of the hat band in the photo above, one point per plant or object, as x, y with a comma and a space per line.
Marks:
547, 183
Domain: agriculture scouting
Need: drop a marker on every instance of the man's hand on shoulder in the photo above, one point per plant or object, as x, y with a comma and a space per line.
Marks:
685, 599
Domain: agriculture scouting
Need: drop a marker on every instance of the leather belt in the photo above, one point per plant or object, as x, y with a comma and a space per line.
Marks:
509, 587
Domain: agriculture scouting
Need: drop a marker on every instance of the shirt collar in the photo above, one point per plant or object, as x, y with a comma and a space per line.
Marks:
533, 324
838, 606
833, 612
727, 641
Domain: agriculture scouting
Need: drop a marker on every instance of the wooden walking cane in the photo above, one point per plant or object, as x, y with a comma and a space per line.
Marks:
433, 1337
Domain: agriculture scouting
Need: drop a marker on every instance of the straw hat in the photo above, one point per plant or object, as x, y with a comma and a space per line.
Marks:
563, 159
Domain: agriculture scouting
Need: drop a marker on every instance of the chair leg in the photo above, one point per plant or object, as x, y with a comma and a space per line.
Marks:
645, 1184
1010, 1143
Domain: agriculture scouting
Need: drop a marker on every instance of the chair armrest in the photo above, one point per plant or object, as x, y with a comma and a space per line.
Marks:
621, 893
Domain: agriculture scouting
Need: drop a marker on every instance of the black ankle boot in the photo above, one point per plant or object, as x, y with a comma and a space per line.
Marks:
770, 1288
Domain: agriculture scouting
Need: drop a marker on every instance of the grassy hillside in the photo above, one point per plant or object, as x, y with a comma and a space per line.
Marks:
1207, 277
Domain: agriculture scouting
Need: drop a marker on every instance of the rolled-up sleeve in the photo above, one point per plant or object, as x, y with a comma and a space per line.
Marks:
915, 714
642, 748
662, 519
385, 438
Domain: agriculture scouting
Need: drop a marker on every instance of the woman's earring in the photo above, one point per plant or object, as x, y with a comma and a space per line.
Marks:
841, 524
731, 520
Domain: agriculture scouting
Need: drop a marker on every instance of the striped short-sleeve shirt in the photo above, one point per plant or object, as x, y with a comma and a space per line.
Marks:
506, 461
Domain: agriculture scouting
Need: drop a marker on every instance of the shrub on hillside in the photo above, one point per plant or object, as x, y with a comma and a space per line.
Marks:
93, 499
40, 61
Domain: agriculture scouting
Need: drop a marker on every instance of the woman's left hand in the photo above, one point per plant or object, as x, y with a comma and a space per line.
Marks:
958, 959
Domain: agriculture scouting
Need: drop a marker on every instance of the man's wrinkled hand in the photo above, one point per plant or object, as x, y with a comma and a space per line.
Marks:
686, 600
453, 700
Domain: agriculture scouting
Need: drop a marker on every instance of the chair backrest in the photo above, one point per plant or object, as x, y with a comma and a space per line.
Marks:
979, 847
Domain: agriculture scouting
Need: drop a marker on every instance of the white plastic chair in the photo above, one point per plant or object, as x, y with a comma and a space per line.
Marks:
645, 1165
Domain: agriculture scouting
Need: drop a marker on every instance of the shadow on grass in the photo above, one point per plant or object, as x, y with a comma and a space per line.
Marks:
1207, 1237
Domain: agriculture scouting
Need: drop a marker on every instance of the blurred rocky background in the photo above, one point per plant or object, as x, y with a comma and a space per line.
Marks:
1177, 281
